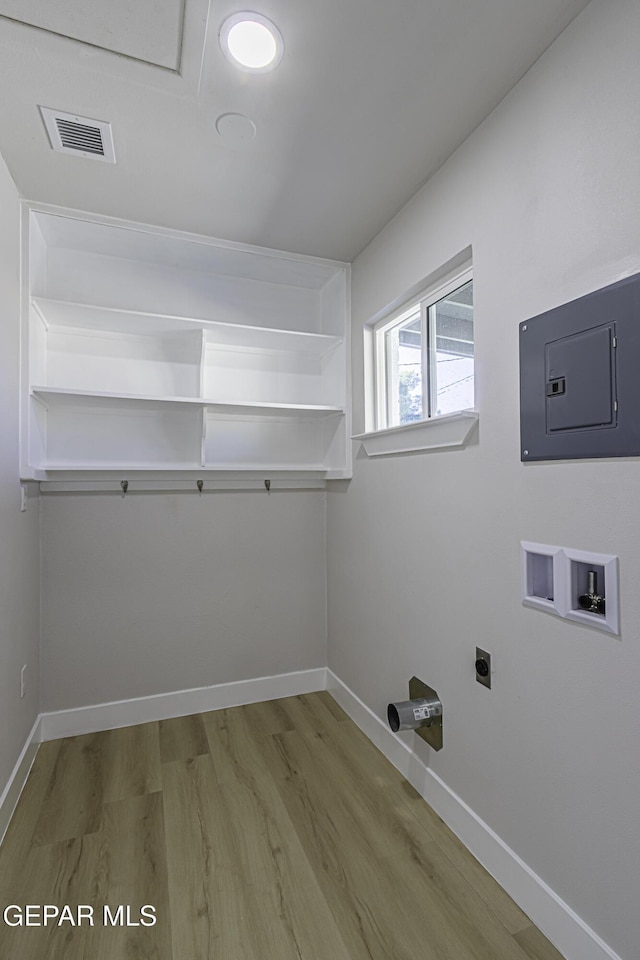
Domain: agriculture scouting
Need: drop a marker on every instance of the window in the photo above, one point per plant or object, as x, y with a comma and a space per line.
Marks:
424, 357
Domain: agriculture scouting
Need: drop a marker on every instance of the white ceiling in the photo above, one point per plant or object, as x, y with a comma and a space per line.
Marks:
370, 99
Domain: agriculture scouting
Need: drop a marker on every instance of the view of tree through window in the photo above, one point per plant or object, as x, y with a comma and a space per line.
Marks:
428, 358
404, 369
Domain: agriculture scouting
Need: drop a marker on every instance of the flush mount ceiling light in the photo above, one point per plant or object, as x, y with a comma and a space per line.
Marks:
251, 42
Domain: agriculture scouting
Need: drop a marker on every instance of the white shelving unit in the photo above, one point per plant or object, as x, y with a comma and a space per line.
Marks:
148, 350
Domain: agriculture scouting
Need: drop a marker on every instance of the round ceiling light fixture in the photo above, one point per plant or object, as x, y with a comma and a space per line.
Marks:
251, 42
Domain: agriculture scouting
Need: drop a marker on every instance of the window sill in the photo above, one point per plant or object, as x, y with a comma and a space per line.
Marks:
447, 432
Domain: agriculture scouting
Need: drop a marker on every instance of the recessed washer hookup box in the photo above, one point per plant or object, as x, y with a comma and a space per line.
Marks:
580, 377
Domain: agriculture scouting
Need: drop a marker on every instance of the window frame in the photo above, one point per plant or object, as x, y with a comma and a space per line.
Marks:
423, 301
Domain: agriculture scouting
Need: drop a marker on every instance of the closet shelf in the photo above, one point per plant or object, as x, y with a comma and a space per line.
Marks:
82, 398
205, 358
61, 314
61, 396
121, 466
301, 410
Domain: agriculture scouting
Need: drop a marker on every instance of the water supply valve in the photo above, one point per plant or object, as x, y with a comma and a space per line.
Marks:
591, 601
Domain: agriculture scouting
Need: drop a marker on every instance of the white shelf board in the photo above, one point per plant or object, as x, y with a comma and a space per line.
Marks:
69, 315
302, 410
438, 433
166, 247
83, 398
220, 333
264, 469
63, 314
61, 476
63, 396
123, 467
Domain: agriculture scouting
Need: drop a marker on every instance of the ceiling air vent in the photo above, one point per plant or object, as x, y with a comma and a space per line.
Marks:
80, 135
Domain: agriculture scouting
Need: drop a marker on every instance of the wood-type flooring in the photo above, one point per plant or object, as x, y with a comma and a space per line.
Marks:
274, 831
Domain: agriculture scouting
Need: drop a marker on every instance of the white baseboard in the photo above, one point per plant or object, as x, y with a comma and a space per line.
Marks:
179, 703
11, 793
570, 934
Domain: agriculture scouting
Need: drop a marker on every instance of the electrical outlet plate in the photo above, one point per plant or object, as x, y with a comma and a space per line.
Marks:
433, 733
483, 655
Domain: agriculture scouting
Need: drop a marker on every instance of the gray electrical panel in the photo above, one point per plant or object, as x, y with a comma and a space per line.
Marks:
580, 377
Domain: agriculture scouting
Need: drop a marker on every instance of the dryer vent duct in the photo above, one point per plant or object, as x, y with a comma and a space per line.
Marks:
422, 713
69, 133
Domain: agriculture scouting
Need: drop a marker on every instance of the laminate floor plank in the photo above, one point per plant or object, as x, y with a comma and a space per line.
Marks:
374, 919
210, 905
132, 762
72, 803
19, 836
485, 886
332, 705
267, 718
535, 945
130, 871
378, 819
122, 863
293, 919
58, 874
313, 713
366, 763
420, 881
182, 738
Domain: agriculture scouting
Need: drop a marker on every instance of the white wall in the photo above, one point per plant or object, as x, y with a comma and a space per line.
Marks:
19, 574
423, 551
156, 593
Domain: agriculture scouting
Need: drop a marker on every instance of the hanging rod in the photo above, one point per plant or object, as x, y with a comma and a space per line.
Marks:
134, 485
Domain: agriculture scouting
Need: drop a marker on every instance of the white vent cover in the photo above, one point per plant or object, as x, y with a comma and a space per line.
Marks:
80, 135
